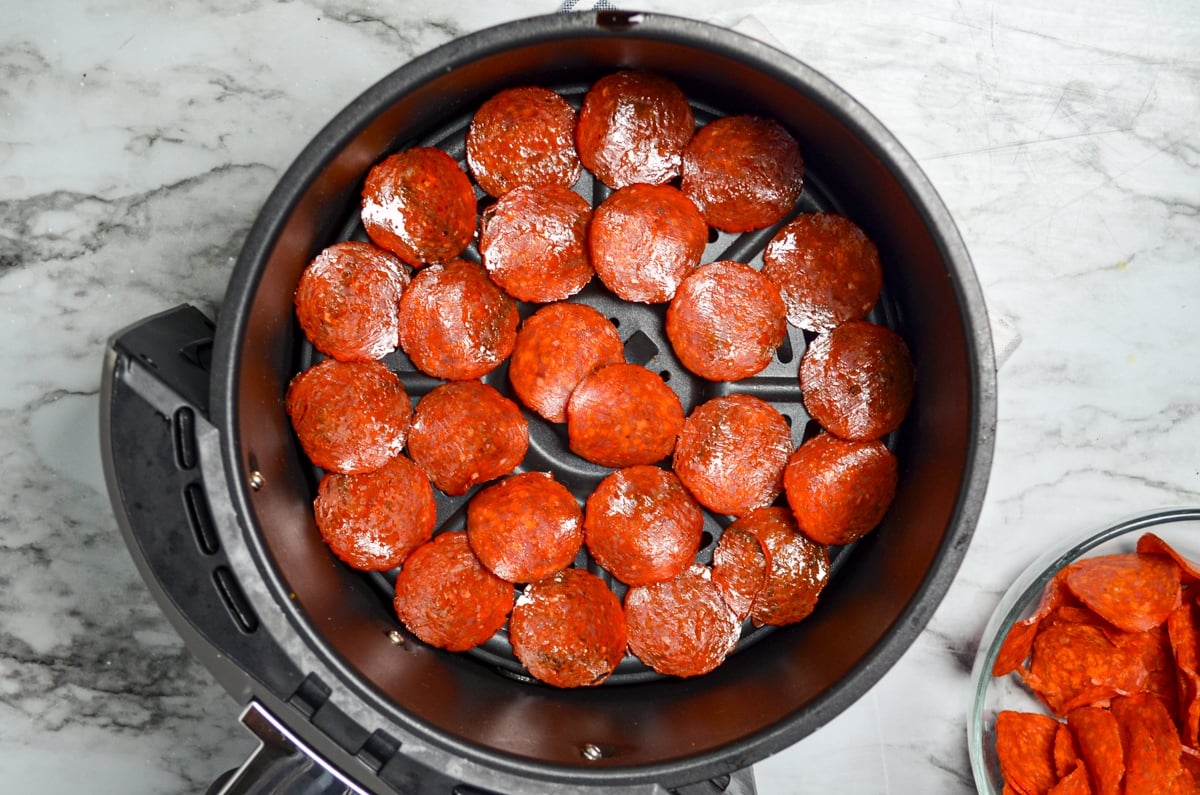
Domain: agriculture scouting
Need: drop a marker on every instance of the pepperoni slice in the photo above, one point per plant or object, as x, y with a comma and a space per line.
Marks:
633, 127
373, 521
1151, 743
1066, 755
726, 321
1184, 636
1025, 747
732, 452
523, 136
1076, 665
533, 241
464, 433
681, 627
1018, 642
798, 572
826, 269
644, 240
350, 417
857, 380
348, 301
556, 347
1133, 592
623, 415
419, 205
642, 526
455, 323
568, 630
1150, 544
740, 565
840, 490
447, 598
526, 527
743, 172
1099, 740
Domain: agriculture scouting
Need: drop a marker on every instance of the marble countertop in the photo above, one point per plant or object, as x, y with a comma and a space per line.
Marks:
138, 140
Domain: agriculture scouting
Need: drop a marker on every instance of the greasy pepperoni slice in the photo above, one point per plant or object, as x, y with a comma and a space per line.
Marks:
839, 490
455, 323
465, 432
568, 630
743, 172
633, 127
526, 527
348, 301
682, 626
740, 566
350, 417
731, 453
1132, 592
826, 269
374, 520
622, 415
726, 321
857, 380
447, 598
523, 136
556, 347
419, 205
644, 240
1025, 747
642, 526
798, 572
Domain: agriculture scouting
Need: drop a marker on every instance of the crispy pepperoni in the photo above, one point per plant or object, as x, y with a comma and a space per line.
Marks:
1132, 592
1151, 544
447, 598
420, 205
348, 301
857, 380
682, 626
826, 269
1019, 641
350, 417
1025, 747
622, 415
633, 127
568, 630
374, 520
1151, 743
726, 321
455, 323
556, 347
743, 172
644, 240
740, 565
799, 568
523, 136
464, 433
839, 490
642, 526
1076, 665
1099, 740
526, 527
1066, 755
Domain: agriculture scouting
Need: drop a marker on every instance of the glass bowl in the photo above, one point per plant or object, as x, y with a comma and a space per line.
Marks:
1179, 527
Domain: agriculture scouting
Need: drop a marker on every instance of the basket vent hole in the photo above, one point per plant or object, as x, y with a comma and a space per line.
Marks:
639, 348
785, 353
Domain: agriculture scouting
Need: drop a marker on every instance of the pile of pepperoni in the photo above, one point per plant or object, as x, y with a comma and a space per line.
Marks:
1113, 651
540, 243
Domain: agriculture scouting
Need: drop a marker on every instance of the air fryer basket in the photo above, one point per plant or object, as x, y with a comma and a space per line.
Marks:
261, 600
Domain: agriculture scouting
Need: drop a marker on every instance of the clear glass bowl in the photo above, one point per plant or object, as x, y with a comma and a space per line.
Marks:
1179, 527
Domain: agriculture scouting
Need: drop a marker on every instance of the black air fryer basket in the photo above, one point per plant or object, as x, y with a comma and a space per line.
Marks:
214, 495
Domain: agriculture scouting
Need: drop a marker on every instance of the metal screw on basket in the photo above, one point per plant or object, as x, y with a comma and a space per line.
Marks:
396, 638
591, 752
257, 481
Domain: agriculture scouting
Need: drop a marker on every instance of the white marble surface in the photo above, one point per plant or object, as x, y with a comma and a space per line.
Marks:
138, 139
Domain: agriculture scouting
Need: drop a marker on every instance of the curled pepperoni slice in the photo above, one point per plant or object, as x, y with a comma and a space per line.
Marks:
1099, 740
740, 565
682, 626
1150, 544
1025, 747
556, 347
857, 380
826, 269
568, 630
1018, 642
374, 520
526, 527
644, 240
464, 433
1076, 665
1151, 743
523, 136
732, 452
455, 323
840, 490
350, 417
798, 572
622, 415
726, 321
1132, 592
533, 241
419, 205
447, 598
633, 127
743, 172
642, 526
348, 301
